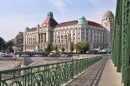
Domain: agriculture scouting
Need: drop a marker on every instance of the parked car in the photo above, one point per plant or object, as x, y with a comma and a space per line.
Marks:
52, 55
24, 55
2, 54
64, 55
38, 55
87, 52
8, 55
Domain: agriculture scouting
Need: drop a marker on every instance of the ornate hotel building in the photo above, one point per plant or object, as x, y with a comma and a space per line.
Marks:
66, 34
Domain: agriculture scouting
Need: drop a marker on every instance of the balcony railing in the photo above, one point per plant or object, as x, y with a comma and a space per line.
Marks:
55, 74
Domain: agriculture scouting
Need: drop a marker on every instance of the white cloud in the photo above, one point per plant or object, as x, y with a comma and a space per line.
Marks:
60, 6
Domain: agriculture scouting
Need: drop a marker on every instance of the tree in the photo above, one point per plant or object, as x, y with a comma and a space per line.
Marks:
2, 43
77, 47
9, 46
49, 48
72, 48
54, 48
10, 49
101, 47
85, 47
63, 49
82, 47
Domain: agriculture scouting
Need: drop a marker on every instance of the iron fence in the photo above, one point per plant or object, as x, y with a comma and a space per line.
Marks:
55, 74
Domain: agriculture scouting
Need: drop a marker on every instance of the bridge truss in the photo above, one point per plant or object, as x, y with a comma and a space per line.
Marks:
121, 40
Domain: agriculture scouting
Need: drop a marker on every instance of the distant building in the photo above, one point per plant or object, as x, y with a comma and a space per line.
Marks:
108, 24
66, 34
18, 40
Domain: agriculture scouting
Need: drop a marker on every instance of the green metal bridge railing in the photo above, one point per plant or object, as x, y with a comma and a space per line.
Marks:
54, 74
121, 40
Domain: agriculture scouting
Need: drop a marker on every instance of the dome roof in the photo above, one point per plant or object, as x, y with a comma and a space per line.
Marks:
108, 14
26, 29
82, 20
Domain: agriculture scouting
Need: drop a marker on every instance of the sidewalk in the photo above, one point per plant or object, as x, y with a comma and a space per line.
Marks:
103, 73
109, 76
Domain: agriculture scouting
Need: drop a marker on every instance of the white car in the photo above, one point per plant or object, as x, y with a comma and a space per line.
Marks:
8, 55
38, 55
2, 54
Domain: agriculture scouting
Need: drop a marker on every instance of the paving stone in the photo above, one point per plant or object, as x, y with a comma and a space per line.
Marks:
94, 75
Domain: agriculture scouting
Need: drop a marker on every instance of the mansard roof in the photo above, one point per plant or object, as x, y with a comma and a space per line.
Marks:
69, 23
32, 29
50, 21
94, 24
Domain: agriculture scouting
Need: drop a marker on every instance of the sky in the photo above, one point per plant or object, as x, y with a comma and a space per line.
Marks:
16, 15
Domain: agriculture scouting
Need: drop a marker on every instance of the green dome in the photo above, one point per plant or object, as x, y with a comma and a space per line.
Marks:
50, 15
82, 20
26, 29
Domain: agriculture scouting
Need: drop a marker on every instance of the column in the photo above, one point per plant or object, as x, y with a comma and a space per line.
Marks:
75, 36
85, 35
54, 38
80, 34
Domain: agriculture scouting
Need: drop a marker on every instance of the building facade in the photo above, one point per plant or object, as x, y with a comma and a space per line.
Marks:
66, 34
19, 41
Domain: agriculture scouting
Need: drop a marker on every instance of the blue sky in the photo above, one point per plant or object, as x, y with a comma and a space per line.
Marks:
16, 15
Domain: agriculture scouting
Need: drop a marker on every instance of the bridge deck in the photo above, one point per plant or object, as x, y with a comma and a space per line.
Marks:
103, 73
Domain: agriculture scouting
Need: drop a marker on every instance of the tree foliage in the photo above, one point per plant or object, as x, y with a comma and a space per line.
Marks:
54, 48
63, 49
9, 46
49, 48
72, 48
2, 44
101, 47
10, 49
82, 47
6, 46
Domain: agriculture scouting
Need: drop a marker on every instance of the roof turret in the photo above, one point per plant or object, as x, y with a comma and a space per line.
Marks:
50, 21
50, 15
26, 29
82, 20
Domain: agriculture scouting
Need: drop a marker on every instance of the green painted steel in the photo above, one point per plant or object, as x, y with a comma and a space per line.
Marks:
54, 74
121, 40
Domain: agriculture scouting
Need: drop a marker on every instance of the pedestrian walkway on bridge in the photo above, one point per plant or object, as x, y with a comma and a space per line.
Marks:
103, 73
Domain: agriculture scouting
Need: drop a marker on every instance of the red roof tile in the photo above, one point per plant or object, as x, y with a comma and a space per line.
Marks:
50, 21
69, 23
94, 24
